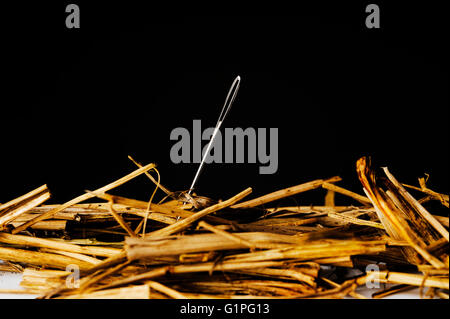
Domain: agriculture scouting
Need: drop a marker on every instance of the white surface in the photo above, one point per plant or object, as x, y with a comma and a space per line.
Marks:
411, 294
9, 281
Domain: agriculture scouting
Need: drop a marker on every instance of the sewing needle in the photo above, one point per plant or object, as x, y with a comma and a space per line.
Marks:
226, 108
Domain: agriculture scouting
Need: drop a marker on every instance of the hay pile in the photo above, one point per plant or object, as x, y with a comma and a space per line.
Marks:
193, 247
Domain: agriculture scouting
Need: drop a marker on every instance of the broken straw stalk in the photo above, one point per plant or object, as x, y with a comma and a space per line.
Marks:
226, 249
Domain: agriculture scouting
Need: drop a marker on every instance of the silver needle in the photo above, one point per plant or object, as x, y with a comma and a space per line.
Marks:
226, 108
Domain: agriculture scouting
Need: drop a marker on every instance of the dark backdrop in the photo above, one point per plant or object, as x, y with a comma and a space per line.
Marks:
75, 103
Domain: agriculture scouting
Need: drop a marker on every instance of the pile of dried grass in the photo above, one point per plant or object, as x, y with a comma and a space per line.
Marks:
192, 247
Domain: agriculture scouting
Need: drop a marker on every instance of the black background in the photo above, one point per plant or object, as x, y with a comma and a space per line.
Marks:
76, 102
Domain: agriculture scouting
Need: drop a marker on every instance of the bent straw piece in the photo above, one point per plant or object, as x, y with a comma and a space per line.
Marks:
120, 220
290, 191
443, 198
164, 189
147, 210
183, 224
117, 217
33, 199
84, 197
57, 245
343, 191
420, 209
